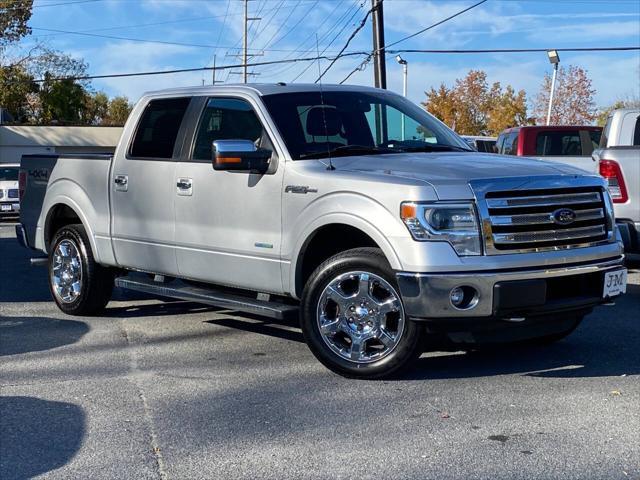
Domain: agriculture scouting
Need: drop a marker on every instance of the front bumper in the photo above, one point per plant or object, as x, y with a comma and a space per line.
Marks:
14, 209
507, 293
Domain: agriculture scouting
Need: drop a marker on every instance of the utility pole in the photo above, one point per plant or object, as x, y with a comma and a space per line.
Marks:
245, 46
244, 42
380, 68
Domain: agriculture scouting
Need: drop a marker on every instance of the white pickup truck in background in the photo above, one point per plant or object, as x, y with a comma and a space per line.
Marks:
618, 161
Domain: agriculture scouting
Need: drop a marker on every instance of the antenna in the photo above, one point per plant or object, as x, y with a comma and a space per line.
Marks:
324, 117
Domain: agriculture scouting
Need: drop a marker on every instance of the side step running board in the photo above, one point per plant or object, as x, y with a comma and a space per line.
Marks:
209, 296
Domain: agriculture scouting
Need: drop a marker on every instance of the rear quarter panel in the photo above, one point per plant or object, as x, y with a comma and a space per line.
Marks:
82, 184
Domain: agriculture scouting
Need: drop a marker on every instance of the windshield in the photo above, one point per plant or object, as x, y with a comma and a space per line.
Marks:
8, 173
316, 125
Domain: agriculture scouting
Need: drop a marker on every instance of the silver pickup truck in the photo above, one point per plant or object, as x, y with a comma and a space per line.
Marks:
348, 208
618, 160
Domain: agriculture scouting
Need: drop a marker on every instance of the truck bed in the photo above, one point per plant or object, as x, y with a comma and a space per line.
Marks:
86, 172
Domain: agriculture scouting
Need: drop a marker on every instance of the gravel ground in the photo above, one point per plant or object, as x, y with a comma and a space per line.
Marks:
174, 390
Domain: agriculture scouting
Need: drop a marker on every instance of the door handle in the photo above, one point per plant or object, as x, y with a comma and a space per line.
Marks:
183, 184
122, 182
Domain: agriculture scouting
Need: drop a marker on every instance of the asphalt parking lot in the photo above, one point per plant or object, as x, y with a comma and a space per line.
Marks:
173, 390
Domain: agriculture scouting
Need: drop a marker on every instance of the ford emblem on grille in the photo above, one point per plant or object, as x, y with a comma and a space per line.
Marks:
563, 216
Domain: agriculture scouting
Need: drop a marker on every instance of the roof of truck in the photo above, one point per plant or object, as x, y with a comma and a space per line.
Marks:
263, 88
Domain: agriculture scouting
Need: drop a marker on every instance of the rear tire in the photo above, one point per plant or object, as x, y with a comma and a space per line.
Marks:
352, 317
78, 285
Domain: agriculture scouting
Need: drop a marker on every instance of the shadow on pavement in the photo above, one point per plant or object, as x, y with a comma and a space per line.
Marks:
262, 327
37, 436
19, 281
163, 307
605, 344
35, 334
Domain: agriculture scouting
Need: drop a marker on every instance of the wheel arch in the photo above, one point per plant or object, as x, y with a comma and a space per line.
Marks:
320, 244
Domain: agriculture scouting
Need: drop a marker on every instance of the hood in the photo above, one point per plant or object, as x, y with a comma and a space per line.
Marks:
449, 173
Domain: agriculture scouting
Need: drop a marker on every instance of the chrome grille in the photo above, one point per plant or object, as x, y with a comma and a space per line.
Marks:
13, 193
528, 220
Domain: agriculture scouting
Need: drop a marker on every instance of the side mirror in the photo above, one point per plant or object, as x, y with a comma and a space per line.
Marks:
240, 156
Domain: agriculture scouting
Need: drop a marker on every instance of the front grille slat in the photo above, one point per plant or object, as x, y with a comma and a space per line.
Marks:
525, 221
542, 218
545, 200
549, 235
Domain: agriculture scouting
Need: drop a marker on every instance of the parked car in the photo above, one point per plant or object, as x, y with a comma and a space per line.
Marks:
301, 201
565, 144
9, 195
618, 160
481, 144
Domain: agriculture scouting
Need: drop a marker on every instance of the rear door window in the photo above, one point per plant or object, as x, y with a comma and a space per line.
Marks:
558, 143
636, 133
158, 128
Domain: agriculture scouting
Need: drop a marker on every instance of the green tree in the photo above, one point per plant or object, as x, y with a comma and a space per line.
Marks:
96, 108
62, 101
15, 87
119, 110
14, 15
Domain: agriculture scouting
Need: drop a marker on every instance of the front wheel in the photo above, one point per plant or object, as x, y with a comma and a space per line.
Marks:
78, 284
353, 319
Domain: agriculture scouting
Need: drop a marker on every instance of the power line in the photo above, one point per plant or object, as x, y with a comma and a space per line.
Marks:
139, 25
346, 45
347, 54
437, 23
332, 41
301, 46
198, 69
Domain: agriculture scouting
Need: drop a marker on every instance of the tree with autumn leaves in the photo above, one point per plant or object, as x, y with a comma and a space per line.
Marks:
573, 102
471, 107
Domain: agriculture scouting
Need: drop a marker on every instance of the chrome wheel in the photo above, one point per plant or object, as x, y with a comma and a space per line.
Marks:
66, 271
360, 317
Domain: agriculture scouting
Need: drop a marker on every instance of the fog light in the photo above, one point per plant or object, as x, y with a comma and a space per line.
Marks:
457, 297
463, 297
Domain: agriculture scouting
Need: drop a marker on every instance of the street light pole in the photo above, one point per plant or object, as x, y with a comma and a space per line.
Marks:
405, 75
554, 58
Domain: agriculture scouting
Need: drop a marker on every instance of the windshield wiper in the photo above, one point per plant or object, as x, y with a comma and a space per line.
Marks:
346, 150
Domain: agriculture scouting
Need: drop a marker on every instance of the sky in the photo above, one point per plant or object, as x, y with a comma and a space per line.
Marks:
189, 33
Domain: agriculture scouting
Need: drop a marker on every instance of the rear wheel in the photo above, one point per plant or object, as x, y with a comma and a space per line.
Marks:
353, 319
78, 284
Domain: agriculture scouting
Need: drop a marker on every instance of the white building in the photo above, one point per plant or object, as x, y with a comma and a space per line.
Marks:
18, 140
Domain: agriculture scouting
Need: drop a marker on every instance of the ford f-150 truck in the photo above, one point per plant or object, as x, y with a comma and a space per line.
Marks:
618, 161
309, 202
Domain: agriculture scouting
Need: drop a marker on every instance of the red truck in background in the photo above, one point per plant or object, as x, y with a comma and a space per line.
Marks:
572, 145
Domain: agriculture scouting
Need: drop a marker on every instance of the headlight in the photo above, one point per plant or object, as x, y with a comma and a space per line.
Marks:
455, 223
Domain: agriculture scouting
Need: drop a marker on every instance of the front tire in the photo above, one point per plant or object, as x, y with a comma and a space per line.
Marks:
353, 319
77, 283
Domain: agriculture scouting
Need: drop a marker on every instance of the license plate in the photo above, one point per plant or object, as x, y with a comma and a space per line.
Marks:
615, 283
5, 208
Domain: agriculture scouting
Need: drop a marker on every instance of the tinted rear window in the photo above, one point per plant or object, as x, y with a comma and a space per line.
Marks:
636, 133
158, 128
8, 174
559, 143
